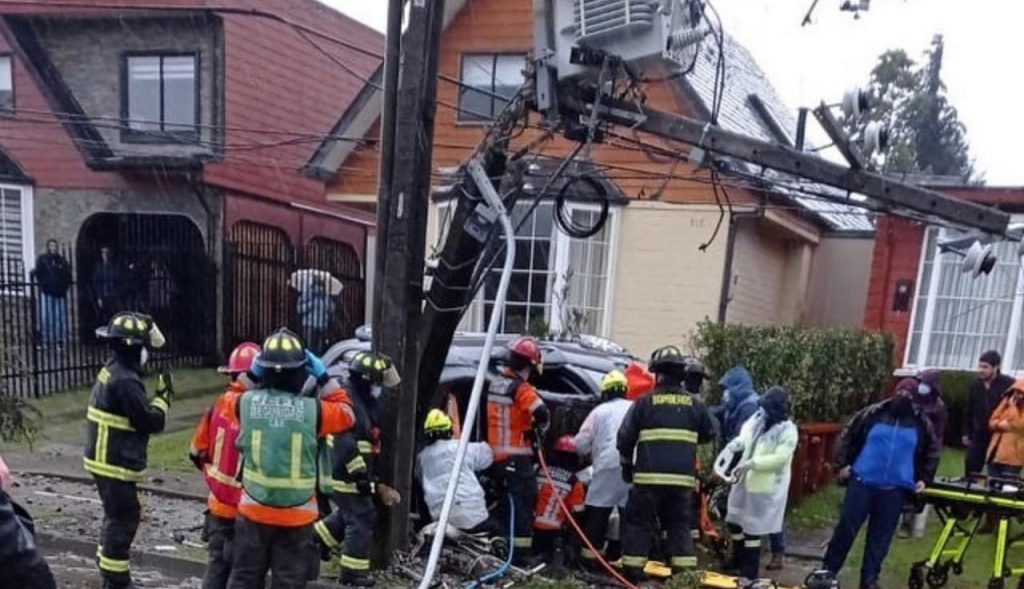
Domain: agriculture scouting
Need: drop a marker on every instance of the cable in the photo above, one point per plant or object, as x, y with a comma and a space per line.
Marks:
500, 572
575, 526
564, 219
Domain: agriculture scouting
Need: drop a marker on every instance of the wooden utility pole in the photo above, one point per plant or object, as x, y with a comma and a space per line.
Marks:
407, 134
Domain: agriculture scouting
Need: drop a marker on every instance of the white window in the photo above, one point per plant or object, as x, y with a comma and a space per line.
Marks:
559, 284
162, 95
6, 83
485, 75
956, 317
16, 243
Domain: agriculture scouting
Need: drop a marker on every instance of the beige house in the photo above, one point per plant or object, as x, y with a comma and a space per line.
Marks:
669, 255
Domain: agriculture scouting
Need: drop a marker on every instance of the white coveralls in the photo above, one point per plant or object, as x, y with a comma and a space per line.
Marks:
435, 464
757, 503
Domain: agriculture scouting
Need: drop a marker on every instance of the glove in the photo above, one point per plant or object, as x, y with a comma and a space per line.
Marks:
165, 386
627, 473
388, 496
198, 459
315, 366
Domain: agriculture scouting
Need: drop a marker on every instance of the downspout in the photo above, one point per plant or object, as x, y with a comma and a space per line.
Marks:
730, 251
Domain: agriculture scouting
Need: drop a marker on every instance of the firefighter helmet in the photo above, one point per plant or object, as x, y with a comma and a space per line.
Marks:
667, 359
437, 423
134, 329
281, 351
527, 348
241, 358
614, 384
376, 368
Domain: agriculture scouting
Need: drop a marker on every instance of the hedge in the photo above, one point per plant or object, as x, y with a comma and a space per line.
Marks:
831, 373
954, 386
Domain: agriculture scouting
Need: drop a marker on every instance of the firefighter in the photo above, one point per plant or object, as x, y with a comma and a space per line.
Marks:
214, 453
279, 429
658, 448
514, 408
119, 421
563, 487
349, 530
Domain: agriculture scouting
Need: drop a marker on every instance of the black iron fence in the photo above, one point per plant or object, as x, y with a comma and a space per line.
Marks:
49, 313
316, 291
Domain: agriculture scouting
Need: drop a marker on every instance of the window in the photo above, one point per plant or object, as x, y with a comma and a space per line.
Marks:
6, 83
957, 317
162, 97
559, 284
16, 247
483, 76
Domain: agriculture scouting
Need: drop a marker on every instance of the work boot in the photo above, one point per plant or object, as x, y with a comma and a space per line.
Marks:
777, 563
355, 579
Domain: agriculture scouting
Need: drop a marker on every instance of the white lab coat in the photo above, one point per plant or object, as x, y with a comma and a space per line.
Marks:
757, 503
434, 466
597, 438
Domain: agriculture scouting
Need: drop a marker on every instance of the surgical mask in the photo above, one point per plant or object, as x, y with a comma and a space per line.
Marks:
143, 357
726, 397
924, 389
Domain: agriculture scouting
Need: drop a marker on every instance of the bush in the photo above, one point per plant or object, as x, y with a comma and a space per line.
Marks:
955, 385
831, 373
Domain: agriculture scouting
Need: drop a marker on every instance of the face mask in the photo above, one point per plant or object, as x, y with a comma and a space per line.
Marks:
901, 406
923, 389
726, 397
143, 357
376, 392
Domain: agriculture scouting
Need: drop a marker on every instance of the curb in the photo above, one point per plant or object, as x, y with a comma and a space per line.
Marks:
88, 480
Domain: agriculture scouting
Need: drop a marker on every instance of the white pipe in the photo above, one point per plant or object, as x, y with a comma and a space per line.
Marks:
492, 199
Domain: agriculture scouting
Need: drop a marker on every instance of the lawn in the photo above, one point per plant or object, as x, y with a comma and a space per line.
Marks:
822, 509
170, 451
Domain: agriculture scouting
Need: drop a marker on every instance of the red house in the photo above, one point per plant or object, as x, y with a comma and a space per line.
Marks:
940, 316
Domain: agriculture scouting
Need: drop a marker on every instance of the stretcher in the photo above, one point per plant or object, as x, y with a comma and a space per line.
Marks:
962, 504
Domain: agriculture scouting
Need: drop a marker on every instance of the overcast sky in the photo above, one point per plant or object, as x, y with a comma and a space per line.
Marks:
982, 67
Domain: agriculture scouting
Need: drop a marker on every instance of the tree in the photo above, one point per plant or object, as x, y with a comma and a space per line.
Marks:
925, 133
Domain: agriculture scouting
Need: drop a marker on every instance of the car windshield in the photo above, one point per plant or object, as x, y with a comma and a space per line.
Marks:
594, 375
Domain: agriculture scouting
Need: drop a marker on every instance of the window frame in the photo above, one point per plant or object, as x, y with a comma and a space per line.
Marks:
28, 245
9, 112
1008, 349
460, 114
129, 135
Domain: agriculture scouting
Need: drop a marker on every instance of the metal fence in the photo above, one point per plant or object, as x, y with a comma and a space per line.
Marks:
268, 284
49, 313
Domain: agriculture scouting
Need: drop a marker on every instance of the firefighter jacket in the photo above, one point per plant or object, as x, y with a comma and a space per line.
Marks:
353, 452
512, 407
659, 437
274, 479
119, 421
214, 444
564, 486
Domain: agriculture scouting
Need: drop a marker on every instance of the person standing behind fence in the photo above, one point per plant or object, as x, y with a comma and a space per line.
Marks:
315, 308
107, 285
983, 397
53, 276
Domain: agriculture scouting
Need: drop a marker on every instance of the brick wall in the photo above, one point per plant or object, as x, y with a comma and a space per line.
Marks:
896, 257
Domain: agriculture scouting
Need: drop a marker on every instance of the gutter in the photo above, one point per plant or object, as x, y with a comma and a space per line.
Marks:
730, 251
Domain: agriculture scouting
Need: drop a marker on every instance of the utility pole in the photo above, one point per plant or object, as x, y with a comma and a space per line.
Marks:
407, 137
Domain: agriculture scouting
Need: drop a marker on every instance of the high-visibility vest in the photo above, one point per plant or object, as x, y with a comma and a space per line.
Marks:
507, 422
221, 473
279, 443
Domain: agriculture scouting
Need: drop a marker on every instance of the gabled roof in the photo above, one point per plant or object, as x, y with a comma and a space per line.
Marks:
751, 105
10, 171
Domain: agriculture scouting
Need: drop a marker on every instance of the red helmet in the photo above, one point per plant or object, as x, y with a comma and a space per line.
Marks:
241, 358
566, 444
528, 348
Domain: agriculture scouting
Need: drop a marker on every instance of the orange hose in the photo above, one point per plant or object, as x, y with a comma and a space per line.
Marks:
572, 521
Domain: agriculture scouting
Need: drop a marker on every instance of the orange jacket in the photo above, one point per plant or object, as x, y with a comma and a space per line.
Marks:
336, 416
1007, 425
204, 448
548, 515
511, 403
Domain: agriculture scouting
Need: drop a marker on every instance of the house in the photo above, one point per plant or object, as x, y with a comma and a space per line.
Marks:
940, 316
669, 255
179, 137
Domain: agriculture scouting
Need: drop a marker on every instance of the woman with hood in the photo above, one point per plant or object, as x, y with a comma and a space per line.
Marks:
757, 501
739, 402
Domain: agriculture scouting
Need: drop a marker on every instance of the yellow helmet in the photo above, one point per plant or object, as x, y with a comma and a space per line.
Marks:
437, 422
614, 384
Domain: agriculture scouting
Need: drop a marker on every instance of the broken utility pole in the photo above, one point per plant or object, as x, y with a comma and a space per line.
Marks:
407, 136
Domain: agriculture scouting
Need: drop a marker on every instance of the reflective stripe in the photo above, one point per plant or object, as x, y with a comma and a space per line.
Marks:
295, 472
102, 417
737, 537
160, 404
695, 534
684, 562
634, 562
112, 472
325, 534
357, 464
500, 399
297, 483
354, 564
112, 565
672, 480
512, 450
364, 447
588, 554
349, 488
554, 522
526, 542
257, 443
668, 434
212, 472
104, 376
752, 543
218, 445
102, 437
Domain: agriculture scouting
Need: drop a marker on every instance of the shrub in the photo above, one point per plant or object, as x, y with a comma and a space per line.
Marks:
18, 419
831, 373
955, 385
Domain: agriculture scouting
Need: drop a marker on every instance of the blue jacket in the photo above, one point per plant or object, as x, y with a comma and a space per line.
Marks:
886, 451
741, 404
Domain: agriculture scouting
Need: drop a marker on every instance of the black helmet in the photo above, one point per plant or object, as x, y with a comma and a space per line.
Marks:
376, 368
666, 360
133, 329
281, 351
695, 367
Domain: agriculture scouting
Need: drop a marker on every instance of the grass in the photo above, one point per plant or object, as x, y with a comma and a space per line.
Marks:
822, 509
170, 451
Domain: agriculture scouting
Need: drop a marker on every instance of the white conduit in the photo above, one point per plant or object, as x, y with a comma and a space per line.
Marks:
494, 201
